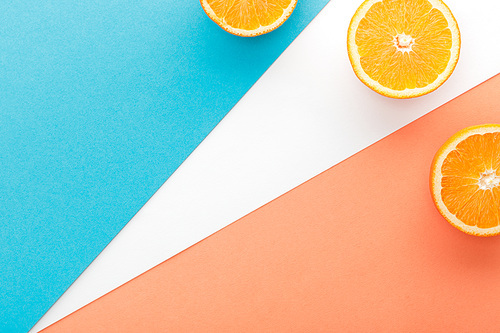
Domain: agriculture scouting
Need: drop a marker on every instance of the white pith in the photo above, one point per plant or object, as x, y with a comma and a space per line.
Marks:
403, 42
488, 180
406, 93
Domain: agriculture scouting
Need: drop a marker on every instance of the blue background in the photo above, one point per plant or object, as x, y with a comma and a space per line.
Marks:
100, 102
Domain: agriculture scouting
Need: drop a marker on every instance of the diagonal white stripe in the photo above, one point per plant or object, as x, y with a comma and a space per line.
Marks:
306, 113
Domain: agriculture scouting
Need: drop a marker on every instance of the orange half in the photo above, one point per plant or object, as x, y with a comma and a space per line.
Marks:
403, 48
248, 18
465, 180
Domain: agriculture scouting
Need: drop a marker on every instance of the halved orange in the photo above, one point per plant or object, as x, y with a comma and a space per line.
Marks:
248, 18
465, 180
403, 48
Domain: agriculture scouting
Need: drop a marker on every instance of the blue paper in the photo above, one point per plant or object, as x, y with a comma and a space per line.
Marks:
100, 102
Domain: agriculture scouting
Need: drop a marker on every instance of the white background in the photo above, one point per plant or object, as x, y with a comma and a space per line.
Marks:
305, 114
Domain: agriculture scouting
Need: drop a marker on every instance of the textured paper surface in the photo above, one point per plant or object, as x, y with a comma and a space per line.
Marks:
300, 113
358, 248
100, 102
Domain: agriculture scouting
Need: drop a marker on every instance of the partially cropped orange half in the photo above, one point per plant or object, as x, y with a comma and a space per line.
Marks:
465, 180
248, 18
403, 48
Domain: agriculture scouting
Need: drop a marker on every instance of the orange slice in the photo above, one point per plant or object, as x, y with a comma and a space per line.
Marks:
465, 180
403, 48
248, 18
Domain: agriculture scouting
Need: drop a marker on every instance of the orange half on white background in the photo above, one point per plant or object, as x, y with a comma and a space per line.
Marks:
403, 48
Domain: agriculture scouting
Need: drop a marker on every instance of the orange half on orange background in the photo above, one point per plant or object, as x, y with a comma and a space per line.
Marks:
403, 48
248, 18
465, 180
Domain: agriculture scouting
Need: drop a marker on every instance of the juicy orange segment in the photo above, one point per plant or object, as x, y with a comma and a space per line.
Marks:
248, 17
403, 48
465, 180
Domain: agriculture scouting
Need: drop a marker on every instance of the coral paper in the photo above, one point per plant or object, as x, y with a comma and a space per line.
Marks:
359, 248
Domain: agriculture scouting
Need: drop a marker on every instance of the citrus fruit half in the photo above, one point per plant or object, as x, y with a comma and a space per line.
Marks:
465, 180
403, 48
248, 18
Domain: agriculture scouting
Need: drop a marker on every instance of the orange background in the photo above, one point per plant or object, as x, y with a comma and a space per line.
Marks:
359, 248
